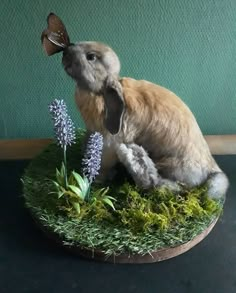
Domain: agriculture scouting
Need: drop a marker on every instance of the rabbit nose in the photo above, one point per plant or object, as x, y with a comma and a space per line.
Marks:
67, 54
66, 51
68, 48
67, 58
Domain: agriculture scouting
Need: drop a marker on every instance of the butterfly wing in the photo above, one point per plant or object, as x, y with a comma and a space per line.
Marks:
49, 46
55, 38
58, 29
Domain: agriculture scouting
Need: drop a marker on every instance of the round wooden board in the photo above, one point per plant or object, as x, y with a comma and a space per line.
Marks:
155, 256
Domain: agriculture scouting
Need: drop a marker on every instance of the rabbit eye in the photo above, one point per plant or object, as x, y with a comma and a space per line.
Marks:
91, 57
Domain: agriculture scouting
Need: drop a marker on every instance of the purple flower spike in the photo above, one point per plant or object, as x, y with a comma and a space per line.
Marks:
91, 163
63, 126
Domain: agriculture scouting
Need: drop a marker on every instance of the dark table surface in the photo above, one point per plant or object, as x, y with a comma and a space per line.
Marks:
29, 262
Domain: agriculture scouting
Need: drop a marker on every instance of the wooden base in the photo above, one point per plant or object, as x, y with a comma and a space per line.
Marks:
155, 256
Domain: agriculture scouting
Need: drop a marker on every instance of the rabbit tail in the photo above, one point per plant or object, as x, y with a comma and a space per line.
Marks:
218, 184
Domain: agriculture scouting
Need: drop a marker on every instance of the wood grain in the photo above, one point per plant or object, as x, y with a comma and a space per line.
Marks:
222, 144
20, 149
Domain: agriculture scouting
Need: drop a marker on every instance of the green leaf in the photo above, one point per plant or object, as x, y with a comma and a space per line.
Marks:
108, 202
78, 179
83, 183
60, 194
104, 191
76, 190
111, 198
86, 181
55, 183
71, 195
71, 180
60, 190
63, 170
87, 188
58, 187
101, 192
58, 177
76, 206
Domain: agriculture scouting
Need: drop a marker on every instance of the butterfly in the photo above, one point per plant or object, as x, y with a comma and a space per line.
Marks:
55, 38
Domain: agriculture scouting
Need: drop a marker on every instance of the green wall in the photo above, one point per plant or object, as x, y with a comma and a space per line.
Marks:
188, 46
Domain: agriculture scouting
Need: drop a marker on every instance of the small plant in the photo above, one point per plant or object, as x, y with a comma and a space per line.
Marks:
76, 189
101, 195
91, 164
75, 192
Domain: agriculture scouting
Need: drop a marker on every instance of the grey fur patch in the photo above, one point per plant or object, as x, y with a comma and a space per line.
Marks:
218, 184
142, 168
138, 164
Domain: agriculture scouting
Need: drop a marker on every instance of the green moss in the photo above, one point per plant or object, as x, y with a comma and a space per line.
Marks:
142, 222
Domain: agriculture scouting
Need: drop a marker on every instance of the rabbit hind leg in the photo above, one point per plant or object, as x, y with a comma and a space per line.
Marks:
142, 168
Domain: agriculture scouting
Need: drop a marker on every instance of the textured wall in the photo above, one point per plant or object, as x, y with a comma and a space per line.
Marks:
188, 46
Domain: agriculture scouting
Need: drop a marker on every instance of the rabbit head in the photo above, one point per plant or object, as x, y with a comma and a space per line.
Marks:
95, 68
89, 64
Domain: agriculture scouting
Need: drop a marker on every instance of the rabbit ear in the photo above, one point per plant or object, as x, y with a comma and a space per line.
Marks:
114, 105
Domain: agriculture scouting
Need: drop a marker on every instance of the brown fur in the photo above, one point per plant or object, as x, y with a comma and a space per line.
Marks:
91, 108
154, 118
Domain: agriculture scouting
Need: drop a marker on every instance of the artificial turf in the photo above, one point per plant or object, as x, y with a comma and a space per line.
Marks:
143, 222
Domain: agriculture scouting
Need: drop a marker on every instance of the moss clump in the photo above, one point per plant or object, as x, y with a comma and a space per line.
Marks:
161, 209
142, 222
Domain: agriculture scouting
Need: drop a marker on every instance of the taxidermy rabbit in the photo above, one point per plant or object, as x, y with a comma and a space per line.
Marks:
128, 111
136, 113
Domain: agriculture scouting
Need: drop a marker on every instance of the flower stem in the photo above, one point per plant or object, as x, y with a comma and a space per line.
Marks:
65, 164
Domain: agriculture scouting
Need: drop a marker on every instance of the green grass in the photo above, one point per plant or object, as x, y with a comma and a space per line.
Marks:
143, 221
